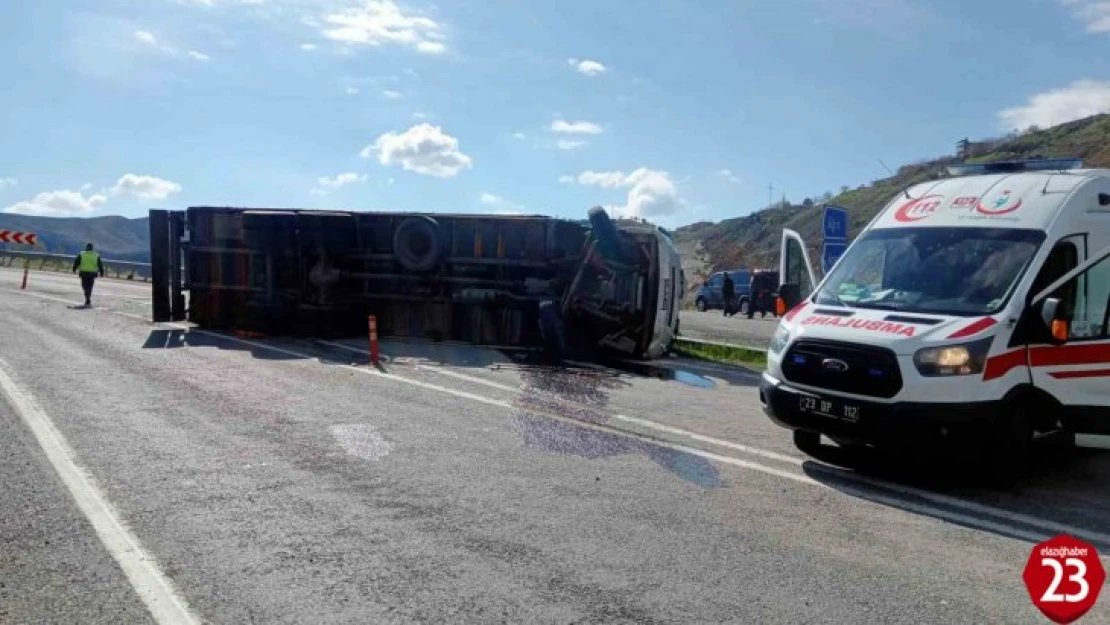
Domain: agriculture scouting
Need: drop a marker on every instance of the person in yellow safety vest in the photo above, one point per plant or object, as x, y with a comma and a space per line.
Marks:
89, 264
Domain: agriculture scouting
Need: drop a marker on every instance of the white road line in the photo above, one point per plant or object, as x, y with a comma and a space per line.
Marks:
770, 455
1050, 527
165, 603
70, 302
937, 498
1047, 528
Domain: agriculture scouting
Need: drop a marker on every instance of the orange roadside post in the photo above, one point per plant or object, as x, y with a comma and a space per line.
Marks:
373, 340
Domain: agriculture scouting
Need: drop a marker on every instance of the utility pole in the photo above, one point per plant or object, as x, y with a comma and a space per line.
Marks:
770, 195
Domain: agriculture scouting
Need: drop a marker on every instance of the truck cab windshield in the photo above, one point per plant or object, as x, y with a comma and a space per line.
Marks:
953, 271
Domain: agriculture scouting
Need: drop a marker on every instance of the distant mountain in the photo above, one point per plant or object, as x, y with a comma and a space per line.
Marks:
753, 240
117, 238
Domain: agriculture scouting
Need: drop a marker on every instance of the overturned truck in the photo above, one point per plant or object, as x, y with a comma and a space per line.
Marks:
584, 288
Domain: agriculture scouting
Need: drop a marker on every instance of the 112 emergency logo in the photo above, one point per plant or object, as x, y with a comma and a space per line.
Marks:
918, 209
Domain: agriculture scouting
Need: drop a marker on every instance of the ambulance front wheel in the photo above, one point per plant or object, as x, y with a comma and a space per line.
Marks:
1008, 453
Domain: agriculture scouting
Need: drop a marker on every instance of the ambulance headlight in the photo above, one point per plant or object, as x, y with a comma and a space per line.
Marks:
780, 339
964, 359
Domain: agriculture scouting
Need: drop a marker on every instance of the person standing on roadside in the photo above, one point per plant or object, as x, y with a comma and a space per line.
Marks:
88, 264
728, 291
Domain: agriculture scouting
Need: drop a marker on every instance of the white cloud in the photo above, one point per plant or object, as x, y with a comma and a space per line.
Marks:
341, 180
200, 56
519, 135
145, 187
728, 175
424, 149
431, 47
570, 144
62, 203
390, 94
379, 22
419, 115
651, 193
7, 183
1080, 99
606, 179
308, 47
147, 37
587, 67
352, 91
500, 204
581, 128
1094, 13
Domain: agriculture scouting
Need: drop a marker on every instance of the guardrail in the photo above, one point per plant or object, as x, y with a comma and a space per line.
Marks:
123, 269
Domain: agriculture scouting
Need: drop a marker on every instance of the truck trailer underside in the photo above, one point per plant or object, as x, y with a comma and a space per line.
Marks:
520, 281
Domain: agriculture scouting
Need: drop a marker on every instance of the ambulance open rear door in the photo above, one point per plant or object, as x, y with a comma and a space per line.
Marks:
796, 279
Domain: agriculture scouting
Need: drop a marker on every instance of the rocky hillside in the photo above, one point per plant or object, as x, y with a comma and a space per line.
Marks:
753, 240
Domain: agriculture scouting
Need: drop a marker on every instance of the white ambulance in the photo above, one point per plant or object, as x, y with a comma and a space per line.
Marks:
970, 315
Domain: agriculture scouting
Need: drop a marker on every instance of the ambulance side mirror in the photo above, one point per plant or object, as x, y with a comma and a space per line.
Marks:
1054, 315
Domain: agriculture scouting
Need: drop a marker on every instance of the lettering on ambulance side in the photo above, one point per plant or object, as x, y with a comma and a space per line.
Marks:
860, 324
1052, 356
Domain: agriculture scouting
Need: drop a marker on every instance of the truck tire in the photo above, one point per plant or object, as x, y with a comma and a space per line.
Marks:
702, 306
1007, 456
608, 238
417, 244
744, 306
552, 331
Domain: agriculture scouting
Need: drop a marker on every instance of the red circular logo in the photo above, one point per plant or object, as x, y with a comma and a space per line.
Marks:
1064, 576
916, 210
1004, 202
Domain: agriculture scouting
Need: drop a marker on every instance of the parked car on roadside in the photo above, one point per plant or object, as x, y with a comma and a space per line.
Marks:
710, 296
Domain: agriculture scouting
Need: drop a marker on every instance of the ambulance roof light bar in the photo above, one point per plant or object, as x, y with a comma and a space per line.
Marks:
1044, 164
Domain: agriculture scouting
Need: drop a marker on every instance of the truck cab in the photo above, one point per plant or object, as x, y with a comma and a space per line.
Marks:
970, 315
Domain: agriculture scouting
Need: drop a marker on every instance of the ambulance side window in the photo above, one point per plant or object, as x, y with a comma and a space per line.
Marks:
1062, 259
1090, 316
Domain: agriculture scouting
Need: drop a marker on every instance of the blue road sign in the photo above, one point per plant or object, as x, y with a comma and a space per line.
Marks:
831, 251
835, 224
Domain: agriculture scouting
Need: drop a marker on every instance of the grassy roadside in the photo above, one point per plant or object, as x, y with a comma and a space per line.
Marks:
723, 354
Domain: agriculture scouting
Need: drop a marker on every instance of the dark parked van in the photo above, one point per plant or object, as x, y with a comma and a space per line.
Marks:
710, 296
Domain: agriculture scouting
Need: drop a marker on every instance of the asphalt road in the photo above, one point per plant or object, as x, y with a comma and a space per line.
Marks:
712, 325
286, 481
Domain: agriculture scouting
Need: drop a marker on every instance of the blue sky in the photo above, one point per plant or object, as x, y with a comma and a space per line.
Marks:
676, 110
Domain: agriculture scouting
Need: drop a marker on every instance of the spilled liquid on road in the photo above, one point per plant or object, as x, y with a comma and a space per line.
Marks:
548, 388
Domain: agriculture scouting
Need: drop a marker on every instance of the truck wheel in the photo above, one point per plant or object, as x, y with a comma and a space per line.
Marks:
701, 304
808, 442
416, 243
745, 306
1008, 453
551, 330
608, 238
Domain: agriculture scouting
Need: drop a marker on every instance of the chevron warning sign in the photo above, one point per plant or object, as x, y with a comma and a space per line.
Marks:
22, 238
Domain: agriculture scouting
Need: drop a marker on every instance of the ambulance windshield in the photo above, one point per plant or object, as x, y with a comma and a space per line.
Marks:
954, 271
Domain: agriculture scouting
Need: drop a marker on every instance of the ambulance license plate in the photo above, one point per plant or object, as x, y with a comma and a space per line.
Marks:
830, 408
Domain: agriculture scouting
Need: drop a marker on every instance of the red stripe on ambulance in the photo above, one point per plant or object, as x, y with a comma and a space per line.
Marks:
974, 328
1049, 356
